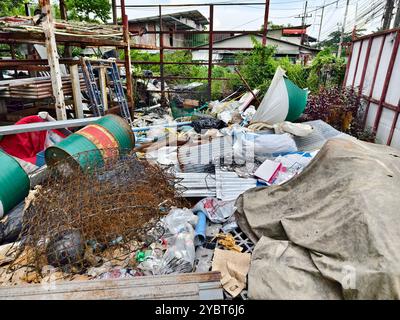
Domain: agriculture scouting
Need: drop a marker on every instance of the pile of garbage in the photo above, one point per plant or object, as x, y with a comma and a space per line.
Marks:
226, 188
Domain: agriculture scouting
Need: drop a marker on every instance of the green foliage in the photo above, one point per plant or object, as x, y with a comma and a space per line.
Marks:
84, 9
295, 72
12, 7
333, 40
258, 66
326, 71
273, 26
219, 88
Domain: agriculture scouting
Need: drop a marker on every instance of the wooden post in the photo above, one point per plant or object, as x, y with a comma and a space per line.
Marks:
52, 56
103, 86
127, 51
76, 91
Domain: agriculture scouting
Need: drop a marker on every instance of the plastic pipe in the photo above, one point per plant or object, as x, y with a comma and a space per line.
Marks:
167, 125
200, 230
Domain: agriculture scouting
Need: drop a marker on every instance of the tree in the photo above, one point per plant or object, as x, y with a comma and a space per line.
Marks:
258, 66
86, 9
11, 7
326, 70
272, 26
334, 37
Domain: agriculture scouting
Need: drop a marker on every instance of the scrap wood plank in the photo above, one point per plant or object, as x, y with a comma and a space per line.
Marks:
180, 286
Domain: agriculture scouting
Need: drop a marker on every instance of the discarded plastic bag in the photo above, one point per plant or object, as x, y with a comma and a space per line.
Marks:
177, 219
297, 129
248, 145
217, 211
207, 123
180, 255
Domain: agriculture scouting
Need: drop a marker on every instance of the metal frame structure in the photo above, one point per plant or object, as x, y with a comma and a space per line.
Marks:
211, 33
68, 40
362, 69
14, 37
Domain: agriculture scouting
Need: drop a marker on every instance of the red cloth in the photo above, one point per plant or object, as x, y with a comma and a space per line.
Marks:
26, 145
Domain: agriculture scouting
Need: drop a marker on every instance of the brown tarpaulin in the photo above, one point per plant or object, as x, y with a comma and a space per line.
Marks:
332, 232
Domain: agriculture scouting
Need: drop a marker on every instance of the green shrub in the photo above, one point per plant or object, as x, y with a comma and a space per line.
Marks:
326, 71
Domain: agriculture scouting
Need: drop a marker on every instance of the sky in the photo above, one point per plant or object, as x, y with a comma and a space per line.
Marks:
250, 17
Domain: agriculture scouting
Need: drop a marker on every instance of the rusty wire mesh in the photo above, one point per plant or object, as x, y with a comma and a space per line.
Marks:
84, 215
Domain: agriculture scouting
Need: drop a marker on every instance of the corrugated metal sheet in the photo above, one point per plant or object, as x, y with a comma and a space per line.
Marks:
204, 286
192, 184
201, 158
229, 185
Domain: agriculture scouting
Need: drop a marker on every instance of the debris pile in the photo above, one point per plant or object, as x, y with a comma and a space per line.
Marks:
200, 192
81, 219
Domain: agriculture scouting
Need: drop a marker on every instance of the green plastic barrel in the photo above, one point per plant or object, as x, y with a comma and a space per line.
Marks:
95, 142
14, 183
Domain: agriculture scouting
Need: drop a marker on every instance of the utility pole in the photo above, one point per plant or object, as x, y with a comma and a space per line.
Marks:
320, 23
397, 17
387, 15
63, 10
355, 16
339, 53
27, 9
114, 11
303, 20
264, 38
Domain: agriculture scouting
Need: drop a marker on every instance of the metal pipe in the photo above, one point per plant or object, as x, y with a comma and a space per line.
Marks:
161, 37
195, 5
180, 78
168, 125
185, 63
374, 79
204, 32
127, 53
210, 51
358, 60
386, 83
366, 60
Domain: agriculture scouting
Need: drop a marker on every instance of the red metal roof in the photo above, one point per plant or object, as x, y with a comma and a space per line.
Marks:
294, 31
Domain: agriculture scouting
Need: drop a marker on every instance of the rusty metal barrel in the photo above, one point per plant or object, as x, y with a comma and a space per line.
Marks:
99, 140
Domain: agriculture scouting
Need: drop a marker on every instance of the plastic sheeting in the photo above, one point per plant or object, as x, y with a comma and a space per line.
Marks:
331, 232
283, 101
